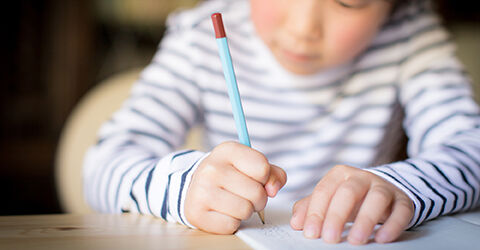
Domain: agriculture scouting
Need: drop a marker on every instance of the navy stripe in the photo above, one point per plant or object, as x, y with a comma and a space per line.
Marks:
406, 38
274, 102
429, 90
464, 177
437, 105
422, 203
149, 118
244, 80
444, 200
427, 48
434, 190
336, 143
147, 188
184, 97
117, 161
165, 207
151, 136
318, 107
182, 185
430, 208
453, 185
133, 184
170, 109
468, 156
135, 132
429, 71
212, 51
180, 154
237, 63
319, 114
175, 74
406, 17
469, 133
277, 138
233, 43
120, 181
251, 118
176, 53
233, 29
235, 46
439, 123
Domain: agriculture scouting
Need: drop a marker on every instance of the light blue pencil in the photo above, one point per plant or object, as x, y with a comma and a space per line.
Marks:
232, 86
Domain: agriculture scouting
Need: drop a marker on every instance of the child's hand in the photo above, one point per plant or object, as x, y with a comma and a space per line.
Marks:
228, 186
346, 194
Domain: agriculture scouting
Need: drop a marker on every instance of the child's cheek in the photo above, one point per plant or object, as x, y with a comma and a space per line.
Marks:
265, 16
347, 41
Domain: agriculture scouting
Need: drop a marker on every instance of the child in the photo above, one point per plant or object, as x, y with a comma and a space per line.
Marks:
319, 81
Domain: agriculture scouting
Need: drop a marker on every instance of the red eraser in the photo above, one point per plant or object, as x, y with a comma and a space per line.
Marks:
218, 25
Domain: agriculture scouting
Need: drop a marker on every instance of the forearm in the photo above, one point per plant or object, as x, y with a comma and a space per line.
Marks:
441, 180
132, 180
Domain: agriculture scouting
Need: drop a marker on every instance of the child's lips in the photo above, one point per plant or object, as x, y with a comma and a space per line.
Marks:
300, 57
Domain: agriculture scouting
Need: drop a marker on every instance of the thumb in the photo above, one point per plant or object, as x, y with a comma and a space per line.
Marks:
276, 180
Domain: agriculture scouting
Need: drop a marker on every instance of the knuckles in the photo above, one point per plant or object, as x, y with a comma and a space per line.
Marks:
259, 198
246, 211
209, 171
263, 172
382, 194
229, 227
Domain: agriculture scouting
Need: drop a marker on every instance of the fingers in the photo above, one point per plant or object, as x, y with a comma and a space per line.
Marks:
318, 205
215, 210
341, 207
346, 193
230, 204
402, 213
243, 186
375, 205
245, 159
298, 214
276, 181
219, 223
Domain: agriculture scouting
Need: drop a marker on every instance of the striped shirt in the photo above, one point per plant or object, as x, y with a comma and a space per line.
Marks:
304, 124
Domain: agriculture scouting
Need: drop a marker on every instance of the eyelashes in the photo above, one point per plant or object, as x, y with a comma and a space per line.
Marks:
352, 4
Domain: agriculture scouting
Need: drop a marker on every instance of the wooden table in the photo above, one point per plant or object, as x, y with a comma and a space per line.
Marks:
104, 231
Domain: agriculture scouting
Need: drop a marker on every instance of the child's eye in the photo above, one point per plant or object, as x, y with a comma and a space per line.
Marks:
352, 4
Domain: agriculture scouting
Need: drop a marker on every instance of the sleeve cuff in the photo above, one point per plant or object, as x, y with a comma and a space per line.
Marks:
388, 173
181, 180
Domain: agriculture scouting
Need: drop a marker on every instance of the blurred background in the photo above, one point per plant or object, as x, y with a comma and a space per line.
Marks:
54, 51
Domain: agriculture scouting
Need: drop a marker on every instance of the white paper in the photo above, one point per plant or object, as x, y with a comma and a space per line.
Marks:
442, 233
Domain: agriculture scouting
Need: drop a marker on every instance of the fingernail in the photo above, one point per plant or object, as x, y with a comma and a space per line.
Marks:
329, 235
294, 216
276, 187
357, 237
293, 221
272, 189
311, 231
381, 237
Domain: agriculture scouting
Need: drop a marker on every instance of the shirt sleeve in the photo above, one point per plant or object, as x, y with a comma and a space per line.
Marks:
442, 122
135, 165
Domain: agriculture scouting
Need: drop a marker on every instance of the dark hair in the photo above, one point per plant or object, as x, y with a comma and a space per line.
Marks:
399, 3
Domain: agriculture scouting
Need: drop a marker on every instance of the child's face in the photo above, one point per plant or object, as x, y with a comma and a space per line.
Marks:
307, 36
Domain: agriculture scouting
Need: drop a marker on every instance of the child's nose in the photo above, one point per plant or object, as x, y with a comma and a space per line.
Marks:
304, 20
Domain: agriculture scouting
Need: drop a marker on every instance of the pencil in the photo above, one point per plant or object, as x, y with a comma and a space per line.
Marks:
232, 86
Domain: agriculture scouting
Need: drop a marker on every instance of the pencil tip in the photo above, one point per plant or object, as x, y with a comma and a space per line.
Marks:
261, 214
